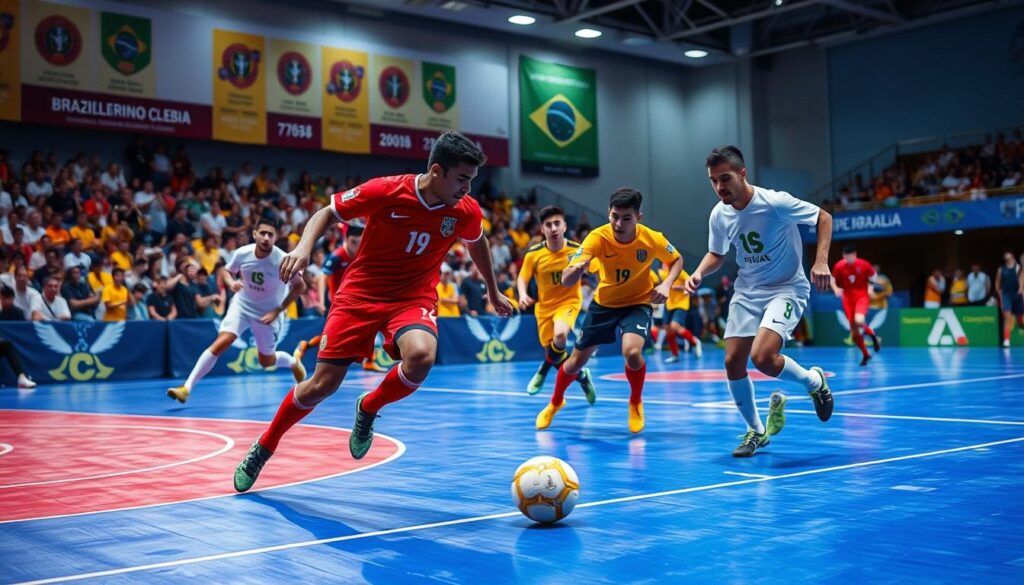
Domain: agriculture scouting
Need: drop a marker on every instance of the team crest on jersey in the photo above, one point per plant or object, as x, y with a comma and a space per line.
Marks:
448, 226
641, 255
350, 194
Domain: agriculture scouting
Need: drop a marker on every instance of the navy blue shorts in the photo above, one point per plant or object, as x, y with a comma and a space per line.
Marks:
600, 324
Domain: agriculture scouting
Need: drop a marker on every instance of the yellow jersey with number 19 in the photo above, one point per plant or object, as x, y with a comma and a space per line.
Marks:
625, 269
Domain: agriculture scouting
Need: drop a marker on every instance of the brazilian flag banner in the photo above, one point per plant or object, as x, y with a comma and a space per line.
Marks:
558, 118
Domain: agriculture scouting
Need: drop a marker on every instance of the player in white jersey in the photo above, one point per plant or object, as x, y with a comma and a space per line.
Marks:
259, 301
771, 289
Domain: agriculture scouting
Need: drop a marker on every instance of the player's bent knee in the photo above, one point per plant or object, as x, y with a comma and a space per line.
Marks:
764, 361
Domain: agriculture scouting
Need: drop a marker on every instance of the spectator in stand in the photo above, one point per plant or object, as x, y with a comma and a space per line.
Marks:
50, 306
213, 221
247, 176
139, 159
208, 254
160, 166
180, 224
24, 295
76, 256
933, 289
18, 245
958, 289
447, 294
159, 304
473, 293
209, 300
979, 286
82, 232
113, 179
79, 295
138, 311
116, 298
59, 236
121, 256
53, 265
33, 228
39, 186
6, 202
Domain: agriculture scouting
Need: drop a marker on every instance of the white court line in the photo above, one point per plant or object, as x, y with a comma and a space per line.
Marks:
396, 455
741, 474
720, 403
229, 444
404, 529
6, 448
979, 421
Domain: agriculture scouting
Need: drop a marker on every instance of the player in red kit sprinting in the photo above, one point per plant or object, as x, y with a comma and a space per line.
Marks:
411, 222
851, 278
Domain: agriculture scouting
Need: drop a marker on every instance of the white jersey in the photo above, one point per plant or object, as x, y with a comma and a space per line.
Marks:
263, 289
766, 238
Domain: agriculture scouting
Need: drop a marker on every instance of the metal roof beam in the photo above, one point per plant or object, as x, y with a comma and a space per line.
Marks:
725, 22
599, 10
866, 11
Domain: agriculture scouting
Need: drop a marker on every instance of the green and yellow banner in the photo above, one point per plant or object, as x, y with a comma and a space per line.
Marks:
439, 95
239, 91
346, 101
558, 118
10, 60
126, 44
62, 45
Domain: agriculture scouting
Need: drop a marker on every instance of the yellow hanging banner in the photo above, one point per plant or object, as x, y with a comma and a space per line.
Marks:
346, 104
10, 60
239, 90
62, 46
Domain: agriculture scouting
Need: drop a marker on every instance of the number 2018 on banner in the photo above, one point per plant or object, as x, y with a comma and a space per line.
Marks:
292, 130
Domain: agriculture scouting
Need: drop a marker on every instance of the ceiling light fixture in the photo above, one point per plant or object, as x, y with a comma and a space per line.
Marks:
696, 54
588, 33
522, 19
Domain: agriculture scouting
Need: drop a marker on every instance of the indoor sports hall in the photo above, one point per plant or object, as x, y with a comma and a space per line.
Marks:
790, 232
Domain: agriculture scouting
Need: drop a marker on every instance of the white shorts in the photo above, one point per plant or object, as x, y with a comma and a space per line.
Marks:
779, 312
236, 321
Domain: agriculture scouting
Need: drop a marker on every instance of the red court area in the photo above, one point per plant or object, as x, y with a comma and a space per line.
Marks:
60, 463
692, 376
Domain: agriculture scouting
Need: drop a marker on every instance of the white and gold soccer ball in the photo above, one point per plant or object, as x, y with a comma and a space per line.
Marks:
545, 489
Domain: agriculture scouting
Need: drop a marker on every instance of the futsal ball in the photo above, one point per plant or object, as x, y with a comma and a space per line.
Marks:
545, 489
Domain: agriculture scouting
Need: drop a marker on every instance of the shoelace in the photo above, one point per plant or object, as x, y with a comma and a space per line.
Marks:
748, 438
253, 462
364, 425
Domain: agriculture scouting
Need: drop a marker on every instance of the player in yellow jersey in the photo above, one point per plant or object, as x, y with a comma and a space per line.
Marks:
556, 307
623, 251
676, 308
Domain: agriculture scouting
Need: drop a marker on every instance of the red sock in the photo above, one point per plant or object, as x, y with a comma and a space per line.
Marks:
859, 340
562, 381
636, 383
869, 331
290, 412
393, 388
673, 345
654, 332
685, 334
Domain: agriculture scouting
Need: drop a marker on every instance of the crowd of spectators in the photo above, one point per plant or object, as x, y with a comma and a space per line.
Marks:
970, 173
143, 237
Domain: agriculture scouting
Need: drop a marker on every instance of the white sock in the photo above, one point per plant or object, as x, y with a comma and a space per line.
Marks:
284, 360
203, 366
743, 395
794, 372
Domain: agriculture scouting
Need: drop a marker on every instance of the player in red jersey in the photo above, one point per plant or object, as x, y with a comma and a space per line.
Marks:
411, 222
334, 269
851, 278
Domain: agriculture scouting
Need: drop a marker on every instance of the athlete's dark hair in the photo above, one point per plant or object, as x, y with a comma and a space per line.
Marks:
626, 198
726, 154
353, 231
272, 222
452, 149
549, 211
849, 249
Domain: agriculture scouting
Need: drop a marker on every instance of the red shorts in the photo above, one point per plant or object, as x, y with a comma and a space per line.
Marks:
855, 304
352, 326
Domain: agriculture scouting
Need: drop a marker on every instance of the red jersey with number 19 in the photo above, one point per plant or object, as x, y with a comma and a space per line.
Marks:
405, 240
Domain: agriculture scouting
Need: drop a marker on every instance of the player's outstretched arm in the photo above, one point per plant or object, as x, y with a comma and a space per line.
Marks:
296, 261
708, 265
574, 272
660, 293
480, 252
820, 275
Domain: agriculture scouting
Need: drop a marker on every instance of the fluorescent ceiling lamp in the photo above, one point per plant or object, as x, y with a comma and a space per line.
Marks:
696, 54
522, 19
588, 33
959, 232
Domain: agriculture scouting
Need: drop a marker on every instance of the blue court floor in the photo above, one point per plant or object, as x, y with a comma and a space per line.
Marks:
917, 478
